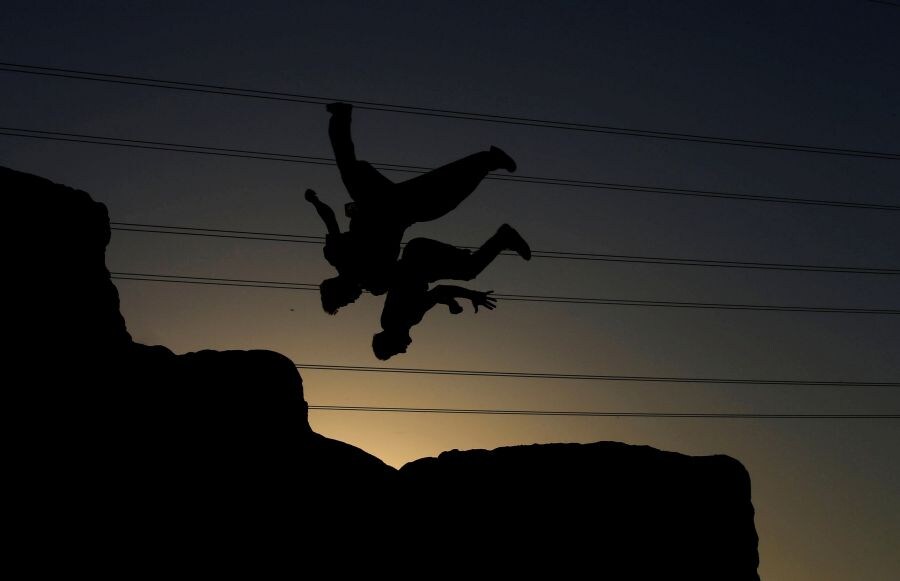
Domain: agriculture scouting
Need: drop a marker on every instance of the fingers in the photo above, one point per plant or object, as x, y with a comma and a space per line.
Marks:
484, 300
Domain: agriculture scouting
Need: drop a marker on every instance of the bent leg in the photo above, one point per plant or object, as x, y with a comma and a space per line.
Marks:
440, 191
430, 260
485, 255
464, 265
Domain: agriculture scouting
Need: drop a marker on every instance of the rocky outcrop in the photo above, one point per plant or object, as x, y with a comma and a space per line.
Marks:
575, 509
95, 402
135, 440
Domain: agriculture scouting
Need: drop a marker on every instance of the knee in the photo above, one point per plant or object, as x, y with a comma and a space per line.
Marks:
464, 267
415, 249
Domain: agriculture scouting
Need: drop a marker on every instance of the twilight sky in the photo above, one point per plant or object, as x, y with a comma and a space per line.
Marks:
826, 491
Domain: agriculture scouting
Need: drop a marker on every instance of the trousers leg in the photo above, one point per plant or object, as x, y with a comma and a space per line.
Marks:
440, 191
478, 260
363, 182
430, 260
342, 144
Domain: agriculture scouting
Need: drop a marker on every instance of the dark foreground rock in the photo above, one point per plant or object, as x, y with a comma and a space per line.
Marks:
118, 445
594, 508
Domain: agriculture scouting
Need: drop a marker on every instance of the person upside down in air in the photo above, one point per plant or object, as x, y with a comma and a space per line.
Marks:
425, 261
365, 256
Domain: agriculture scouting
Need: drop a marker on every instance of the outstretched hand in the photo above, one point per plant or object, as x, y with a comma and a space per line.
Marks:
311, 196
483, 299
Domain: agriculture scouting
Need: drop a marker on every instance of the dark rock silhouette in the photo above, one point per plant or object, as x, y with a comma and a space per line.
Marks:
571, 509
128, 456
139, 419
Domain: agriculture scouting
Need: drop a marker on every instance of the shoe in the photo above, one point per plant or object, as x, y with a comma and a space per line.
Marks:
514, 241
339, 108
503, 160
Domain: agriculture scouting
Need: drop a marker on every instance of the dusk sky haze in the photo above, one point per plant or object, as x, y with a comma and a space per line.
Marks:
826, 491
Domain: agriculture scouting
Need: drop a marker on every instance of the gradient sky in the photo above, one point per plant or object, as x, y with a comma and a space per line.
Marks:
826, 492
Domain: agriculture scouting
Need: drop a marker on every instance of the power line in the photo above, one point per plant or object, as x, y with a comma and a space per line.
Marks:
164, 146
885, 3
434, 112
317, 239
593, 377
214, 281
313, 160
178, 279
508, 412
591, 256
694, 305
187, 232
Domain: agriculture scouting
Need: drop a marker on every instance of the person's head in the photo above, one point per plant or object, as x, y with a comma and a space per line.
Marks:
338, 292
386, 344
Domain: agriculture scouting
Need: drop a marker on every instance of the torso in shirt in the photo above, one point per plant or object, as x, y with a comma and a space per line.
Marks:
405, 305
369, 249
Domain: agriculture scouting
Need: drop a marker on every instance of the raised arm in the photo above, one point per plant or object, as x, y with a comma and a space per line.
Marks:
325, 212
447, 295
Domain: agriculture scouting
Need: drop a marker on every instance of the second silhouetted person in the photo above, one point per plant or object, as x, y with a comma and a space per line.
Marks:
425, 261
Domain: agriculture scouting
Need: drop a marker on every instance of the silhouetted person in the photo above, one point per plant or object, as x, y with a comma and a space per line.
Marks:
425, 261
365, 256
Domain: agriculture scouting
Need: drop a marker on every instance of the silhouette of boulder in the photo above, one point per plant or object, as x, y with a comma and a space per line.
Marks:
604, 507
141, 416
135, 440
